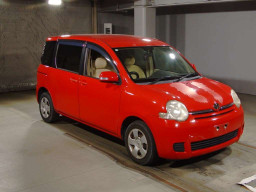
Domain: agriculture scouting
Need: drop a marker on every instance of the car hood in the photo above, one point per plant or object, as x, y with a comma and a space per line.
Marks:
198, 94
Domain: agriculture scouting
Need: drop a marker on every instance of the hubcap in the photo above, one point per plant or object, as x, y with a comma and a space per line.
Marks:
45, 107
137, 143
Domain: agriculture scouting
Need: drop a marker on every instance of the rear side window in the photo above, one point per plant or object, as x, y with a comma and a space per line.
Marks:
48, 53
69, 57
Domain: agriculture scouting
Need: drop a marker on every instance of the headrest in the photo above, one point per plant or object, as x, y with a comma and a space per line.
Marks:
129, 61
100, 63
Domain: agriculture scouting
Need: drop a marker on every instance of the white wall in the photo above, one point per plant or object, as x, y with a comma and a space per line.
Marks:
223, 46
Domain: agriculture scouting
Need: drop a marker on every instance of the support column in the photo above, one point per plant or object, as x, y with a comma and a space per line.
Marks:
144, 19
94, 17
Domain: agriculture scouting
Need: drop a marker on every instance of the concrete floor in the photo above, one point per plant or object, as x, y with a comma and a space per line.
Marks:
68, 156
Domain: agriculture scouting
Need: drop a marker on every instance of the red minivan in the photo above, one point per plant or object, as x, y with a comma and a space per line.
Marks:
140, 90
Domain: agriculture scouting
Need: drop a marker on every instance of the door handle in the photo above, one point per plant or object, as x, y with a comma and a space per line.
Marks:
73, 80
83, 83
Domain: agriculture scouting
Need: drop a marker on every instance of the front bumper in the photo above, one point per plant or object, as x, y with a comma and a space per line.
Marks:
211, 133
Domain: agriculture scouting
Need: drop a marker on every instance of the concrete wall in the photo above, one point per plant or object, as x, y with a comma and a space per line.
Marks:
24, 25
122, 23
222, 46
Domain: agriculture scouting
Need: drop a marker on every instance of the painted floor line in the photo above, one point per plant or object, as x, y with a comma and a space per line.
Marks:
246, 145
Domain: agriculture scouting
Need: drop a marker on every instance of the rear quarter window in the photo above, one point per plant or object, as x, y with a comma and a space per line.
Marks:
48, 53
69, 57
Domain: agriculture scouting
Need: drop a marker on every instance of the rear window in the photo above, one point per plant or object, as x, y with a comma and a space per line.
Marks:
48, 53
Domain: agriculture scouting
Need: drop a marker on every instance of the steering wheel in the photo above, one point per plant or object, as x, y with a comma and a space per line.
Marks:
134, 73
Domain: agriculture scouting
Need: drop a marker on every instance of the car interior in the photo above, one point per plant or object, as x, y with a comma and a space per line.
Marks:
138, 63
135, 70
97, 64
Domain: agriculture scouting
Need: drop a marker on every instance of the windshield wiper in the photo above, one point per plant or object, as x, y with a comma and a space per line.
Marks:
176, 78
161, 79
186, 76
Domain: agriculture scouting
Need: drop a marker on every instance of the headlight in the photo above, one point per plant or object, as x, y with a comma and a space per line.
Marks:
235, 98
175, 110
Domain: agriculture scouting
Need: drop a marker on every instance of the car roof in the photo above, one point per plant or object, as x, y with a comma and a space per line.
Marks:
114, 41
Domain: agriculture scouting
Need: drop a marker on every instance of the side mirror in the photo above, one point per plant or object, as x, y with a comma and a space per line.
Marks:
109, 77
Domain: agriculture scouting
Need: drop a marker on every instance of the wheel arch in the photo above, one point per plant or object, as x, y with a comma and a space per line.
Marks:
126, 122
150, 159
40, 91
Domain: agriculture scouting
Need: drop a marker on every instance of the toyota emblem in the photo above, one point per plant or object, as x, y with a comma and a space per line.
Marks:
216, 106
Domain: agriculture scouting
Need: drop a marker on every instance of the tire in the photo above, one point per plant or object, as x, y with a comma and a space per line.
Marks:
141, 146
46, 108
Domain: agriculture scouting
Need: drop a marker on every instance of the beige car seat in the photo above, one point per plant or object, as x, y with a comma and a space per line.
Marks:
100, 66
129, 63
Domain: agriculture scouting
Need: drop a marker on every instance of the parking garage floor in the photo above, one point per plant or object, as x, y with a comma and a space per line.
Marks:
68, 156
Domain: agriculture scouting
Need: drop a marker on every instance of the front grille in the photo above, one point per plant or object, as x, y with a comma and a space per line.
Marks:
178, 147
226, 106
213, 115
209, 113
214, 141
211, 110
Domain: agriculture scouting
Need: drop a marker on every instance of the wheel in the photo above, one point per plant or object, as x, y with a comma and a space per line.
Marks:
46, 108
140, 143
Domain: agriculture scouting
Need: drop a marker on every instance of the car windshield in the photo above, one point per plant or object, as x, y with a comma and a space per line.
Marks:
154, 64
